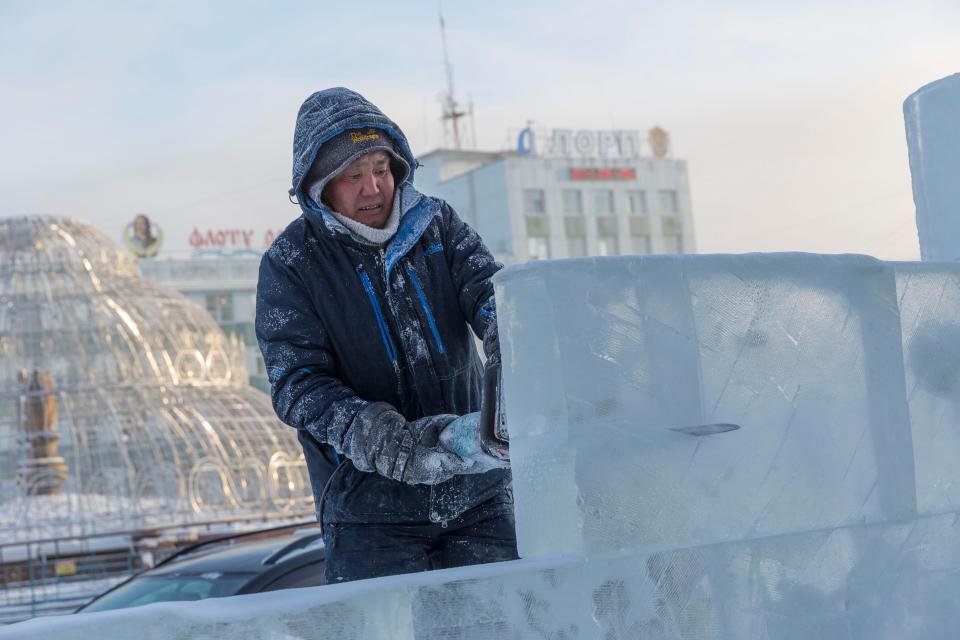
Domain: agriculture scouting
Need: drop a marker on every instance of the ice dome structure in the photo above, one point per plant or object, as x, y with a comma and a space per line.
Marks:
124, 406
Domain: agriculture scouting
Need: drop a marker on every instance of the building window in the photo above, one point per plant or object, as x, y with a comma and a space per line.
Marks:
603, 201
576, 231
572, 201
640, 234
672, 234
534, 201
220, 306
607, 246
576, 247
668, 201
538, 248
642, 245
672, 243
607, 242
638, 201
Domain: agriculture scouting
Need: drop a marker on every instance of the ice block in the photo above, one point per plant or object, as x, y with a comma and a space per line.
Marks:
602, 357
932, 116
929, 295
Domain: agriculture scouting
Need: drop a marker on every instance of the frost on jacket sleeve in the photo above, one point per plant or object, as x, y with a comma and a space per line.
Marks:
304, 387
471, 265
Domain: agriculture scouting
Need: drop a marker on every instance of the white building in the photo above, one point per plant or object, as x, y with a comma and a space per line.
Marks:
566, 193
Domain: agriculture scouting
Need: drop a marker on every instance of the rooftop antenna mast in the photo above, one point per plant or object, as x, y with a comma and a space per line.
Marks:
451, 110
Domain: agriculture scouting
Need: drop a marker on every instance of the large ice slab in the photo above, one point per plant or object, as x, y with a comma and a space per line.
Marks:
864, 582
603, 356
932, 116
929, 295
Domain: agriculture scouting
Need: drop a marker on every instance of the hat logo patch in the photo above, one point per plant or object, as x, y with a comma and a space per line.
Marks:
357, 137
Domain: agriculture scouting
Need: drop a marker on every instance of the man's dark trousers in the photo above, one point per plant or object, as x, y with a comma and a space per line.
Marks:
357, 551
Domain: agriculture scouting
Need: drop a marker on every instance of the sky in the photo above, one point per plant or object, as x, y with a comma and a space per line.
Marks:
788, 114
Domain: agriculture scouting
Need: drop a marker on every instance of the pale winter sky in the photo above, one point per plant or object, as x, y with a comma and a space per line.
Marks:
789, 114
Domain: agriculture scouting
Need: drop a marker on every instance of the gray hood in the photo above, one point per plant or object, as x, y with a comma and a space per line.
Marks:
327, 113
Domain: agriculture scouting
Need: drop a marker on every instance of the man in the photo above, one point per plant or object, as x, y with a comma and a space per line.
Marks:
365, 307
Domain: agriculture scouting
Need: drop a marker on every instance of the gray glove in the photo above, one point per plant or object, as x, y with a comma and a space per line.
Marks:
462, 437
380, 439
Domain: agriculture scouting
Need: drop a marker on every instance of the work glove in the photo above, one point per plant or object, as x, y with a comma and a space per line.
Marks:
462, 437
382, 440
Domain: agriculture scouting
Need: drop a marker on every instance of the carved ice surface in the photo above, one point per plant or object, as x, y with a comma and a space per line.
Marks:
603, 356
929, 295
933, 139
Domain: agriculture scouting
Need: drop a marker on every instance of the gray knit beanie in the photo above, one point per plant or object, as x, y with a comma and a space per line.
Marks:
339, 151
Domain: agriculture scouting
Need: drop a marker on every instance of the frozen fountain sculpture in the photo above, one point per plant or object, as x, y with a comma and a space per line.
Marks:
124, 406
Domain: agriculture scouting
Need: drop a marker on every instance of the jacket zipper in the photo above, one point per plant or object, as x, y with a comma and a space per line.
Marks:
426, 308
386, 326
434, 515
381, 321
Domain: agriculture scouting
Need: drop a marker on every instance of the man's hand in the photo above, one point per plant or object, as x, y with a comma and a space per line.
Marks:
408, 452
430, 462
462, 437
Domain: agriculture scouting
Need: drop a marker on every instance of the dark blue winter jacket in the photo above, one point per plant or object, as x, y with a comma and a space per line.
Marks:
342, 324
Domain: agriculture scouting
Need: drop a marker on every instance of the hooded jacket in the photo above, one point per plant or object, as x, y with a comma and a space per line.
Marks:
343, 324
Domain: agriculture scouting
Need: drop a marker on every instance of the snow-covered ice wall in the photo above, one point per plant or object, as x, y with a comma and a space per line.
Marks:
602, 357
932, 116
865, 582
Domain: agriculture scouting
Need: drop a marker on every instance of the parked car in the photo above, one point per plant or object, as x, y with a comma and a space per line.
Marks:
283, 558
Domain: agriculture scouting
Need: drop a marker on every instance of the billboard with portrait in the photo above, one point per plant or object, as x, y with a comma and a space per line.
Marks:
143, 237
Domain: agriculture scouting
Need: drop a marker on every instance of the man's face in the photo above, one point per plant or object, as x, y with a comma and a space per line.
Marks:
364, 190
